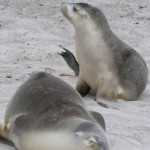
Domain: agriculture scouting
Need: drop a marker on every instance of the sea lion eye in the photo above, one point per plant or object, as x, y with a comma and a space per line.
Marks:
75, 9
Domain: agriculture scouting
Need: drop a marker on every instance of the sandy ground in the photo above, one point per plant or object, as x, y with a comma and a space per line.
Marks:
30, 32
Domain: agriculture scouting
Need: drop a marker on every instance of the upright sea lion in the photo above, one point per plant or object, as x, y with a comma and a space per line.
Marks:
107, 65
47, 114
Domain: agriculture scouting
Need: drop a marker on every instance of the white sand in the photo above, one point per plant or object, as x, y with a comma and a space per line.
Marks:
30, 32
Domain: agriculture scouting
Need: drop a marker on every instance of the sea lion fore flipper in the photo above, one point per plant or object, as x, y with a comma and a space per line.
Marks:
99, 118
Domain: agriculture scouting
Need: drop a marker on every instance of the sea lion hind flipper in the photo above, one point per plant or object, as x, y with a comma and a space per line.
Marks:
99, 118
4, 129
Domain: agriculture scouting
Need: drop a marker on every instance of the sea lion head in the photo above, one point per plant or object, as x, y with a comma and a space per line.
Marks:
91, 137
82, 14
92, 142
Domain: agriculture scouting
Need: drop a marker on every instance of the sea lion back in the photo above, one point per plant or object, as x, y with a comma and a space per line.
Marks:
39, 93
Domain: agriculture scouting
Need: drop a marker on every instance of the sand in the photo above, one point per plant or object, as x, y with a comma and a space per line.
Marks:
30, 34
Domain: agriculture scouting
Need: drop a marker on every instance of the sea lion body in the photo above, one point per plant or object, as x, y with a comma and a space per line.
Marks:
46, 113
108, 66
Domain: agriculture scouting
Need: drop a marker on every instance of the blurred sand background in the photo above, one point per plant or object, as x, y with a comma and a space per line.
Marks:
30, 34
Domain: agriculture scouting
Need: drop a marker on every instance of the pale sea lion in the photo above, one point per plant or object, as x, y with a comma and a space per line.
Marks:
107, 65
46, 113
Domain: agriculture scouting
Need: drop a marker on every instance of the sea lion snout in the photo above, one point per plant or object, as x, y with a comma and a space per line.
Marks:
65, 7
95, 143
69, 10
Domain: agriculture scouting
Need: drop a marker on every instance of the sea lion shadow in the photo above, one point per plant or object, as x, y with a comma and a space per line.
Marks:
6, 142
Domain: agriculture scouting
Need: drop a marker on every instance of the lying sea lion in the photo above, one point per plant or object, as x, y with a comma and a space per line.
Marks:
46, 113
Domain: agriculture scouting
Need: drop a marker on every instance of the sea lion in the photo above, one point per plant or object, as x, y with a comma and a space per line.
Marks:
46, 113
107, 65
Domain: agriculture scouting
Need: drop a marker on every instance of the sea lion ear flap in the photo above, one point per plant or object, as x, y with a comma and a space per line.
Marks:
91, 142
